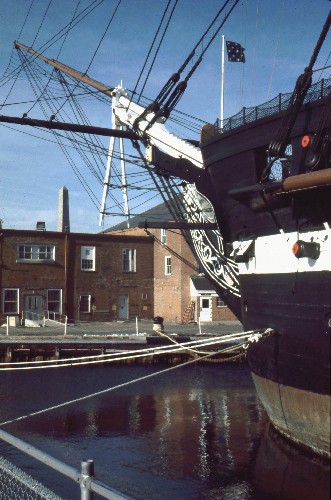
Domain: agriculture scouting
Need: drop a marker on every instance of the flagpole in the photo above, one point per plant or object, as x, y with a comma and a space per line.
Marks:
222, 84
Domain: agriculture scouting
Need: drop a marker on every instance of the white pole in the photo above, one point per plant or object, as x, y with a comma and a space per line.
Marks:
199, 326
7, 325
137, 331
107, 176
222, 84
124, 183
65, 324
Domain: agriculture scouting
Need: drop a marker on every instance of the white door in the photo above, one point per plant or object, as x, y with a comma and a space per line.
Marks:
205, 309
123, 307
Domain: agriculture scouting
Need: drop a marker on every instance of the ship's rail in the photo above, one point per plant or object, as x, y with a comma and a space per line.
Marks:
17, 484
279, 103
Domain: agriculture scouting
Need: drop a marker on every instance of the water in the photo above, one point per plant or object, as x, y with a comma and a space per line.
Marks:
198, 432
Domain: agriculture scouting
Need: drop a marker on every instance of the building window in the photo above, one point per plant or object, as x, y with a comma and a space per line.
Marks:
144, 296
36, 252
128, 260
10, 301
220, 302
85, 303
87, 255
54, 300
167, 265
163, 236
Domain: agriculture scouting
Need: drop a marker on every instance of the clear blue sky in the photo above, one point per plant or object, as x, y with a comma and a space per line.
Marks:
278, 36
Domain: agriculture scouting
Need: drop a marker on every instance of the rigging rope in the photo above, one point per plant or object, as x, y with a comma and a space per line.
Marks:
105, 391
254, 337
157, 51
42, 21
173, 90
149, 52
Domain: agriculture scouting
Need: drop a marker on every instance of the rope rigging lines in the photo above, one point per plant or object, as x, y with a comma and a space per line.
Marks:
63, 89
60, 97
173, 90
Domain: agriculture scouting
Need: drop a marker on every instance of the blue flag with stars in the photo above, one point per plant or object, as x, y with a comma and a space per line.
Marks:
235, 52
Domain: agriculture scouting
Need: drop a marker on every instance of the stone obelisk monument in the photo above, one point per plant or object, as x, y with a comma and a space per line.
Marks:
63, 221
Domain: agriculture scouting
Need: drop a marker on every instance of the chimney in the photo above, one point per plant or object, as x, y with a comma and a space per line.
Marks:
63, 222
41, 226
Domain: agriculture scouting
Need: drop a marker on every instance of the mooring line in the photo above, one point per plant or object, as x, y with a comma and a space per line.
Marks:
98, 361
118, 356
109, 389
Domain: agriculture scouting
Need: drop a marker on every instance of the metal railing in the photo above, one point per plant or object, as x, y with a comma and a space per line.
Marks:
32, 319
84, 477
57, 318
279, 103
32, 316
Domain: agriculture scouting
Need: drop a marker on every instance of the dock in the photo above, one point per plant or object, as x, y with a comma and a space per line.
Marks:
95, 340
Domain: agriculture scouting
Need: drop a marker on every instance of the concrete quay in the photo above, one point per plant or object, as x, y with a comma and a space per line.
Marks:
123, 329
94, 339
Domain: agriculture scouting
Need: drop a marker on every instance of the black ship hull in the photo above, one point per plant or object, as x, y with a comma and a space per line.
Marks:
291, 368
262, 223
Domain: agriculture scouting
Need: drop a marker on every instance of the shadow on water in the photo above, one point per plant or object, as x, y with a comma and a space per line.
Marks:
196, 432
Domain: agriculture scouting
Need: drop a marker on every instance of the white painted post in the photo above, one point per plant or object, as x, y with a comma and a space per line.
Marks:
7, 327
222, 84
137, 330
199, 323
65, 325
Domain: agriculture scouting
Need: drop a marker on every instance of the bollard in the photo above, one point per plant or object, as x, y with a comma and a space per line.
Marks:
87, 473
7, 325
65, 325
137, 330
158, 326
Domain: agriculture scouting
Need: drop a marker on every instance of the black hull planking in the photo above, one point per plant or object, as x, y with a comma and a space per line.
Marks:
291, 368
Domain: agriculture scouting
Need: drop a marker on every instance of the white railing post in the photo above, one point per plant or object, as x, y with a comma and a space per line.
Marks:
65, 325
7, 325
137, 329
199, 323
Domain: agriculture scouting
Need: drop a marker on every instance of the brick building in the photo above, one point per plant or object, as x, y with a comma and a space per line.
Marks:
84, 276
181, 292
117, 275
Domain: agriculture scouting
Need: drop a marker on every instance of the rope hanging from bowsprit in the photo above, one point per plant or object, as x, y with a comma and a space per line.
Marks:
173, 90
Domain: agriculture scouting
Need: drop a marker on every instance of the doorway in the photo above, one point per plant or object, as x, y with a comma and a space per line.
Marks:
33, 306
205, 309
123, 307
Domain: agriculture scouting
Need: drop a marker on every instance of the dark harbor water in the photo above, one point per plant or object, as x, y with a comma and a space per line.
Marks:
198, 432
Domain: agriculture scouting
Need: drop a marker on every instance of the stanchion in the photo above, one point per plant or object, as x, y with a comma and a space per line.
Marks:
87, 473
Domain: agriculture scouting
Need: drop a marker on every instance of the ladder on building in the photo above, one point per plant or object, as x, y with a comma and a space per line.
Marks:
189, 313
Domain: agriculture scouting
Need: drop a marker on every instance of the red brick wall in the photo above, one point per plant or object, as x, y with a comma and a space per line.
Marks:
109, 282
172, 292
105, 284
221, 313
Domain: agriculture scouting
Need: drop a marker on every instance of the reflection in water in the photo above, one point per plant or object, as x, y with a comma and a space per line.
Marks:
192, 433
283, 471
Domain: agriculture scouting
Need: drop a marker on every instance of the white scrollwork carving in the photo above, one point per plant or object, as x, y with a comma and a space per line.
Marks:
209, 247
